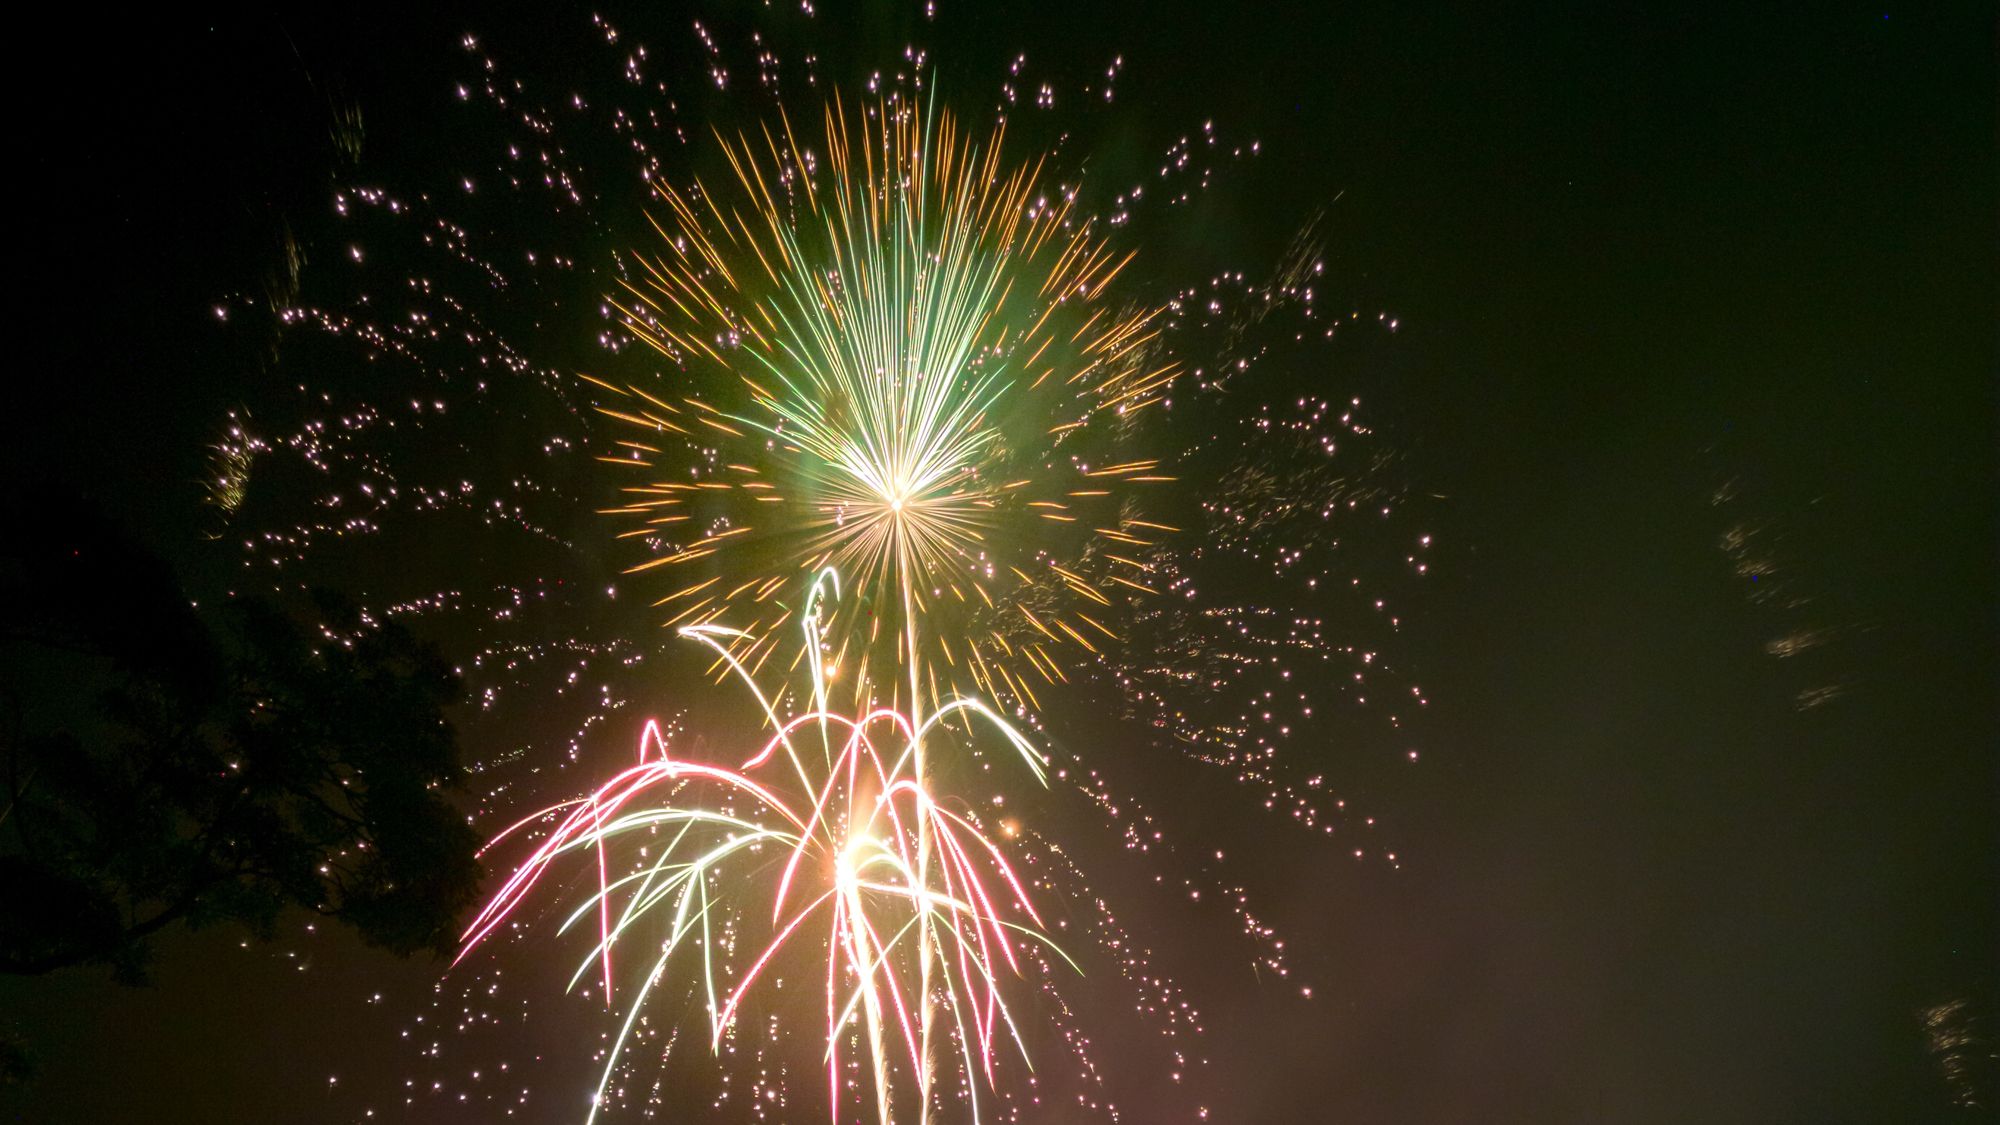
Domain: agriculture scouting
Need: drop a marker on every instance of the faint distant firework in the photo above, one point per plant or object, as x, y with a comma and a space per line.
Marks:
1966, 1058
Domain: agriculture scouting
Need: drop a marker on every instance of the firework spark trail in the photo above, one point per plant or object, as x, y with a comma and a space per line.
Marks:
854, 812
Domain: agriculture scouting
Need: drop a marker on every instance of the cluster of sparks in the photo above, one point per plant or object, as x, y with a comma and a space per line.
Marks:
884, 348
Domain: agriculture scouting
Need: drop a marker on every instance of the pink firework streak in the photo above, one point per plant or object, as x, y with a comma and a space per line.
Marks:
898, 888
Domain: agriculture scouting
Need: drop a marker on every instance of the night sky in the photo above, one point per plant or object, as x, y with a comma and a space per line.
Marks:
1691, 389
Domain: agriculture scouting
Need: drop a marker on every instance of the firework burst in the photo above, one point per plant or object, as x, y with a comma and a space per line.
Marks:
907, 361
910, 904
767, 406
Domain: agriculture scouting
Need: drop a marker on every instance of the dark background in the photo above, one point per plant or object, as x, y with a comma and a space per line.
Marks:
1662, 274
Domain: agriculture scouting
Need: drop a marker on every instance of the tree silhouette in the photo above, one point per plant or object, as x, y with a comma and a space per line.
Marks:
159, 769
